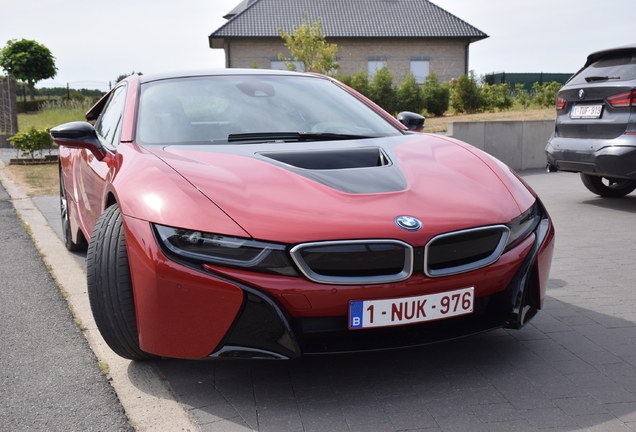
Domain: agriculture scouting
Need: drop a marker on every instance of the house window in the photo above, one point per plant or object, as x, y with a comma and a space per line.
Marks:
420, 68
374, 63
277, 64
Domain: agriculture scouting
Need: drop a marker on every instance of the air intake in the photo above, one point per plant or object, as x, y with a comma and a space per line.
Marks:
355, 261
464, 251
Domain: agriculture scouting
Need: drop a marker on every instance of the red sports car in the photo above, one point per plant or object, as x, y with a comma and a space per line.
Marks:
270, 214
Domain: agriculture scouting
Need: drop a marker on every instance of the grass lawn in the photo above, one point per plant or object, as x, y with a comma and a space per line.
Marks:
438, 124
61, 112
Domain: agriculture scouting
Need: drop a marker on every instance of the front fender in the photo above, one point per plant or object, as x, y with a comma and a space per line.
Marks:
147, 188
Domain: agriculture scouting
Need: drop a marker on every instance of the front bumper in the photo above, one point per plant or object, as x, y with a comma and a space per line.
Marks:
263, 330
604, 157
185, 311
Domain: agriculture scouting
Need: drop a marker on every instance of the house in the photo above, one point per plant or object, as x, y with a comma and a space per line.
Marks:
406, 35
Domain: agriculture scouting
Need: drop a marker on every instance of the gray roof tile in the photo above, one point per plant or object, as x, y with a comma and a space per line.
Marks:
348, 19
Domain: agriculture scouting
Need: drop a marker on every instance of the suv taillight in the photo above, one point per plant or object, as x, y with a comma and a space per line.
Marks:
560, 103
623, 100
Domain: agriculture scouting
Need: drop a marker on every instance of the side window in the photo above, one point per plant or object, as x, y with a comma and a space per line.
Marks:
108, 125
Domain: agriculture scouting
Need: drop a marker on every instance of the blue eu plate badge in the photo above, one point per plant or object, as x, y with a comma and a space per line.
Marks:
355, 314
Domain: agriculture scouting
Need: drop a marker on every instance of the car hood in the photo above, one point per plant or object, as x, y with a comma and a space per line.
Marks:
298, 192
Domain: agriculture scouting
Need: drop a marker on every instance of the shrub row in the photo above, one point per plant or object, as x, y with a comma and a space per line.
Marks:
29, 106
465, 94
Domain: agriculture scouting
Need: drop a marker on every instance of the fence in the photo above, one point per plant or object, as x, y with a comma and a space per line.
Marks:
8, 107
8, 110
527, 79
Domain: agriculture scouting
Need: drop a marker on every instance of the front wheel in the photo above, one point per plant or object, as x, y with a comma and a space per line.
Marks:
66, 222
110, 288
607, 186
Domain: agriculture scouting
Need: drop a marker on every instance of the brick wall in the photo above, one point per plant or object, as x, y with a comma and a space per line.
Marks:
447, 57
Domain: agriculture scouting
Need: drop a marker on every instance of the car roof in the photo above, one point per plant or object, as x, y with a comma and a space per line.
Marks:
218, 72
595, 56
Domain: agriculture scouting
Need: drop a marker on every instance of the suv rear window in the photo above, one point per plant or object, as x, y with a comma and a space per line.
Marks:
622, 66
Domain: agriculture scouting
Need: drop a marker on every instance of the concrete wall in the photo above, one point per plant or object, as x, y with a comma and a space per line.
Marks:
518, 144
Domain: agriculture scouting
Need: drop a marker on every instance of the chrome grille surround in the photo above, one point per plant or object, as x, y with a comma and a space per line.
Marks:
404, 273
478, 263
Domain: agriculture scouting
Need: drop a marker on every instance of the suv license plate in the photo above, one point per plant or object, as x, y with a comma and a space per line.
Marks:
586, 111
409, 310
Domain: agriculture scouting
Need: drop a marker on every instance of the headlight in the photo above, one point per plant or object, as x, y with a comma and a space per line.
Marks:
524, 224
247, 254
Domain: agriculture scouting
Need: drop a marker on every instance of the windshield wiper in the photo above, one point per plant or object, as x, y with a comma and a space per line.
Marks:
600, 78
293, 136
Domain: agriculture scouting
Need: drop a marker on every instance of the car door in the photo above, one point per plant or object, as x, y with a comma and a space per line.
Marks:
92, 174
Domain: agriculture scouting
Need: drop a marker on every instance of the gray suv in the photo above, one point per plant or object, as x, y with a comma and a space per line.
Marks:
595, 128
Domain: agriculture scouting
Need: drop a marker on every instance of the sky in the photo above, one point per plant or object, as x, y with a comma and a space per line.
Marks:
95, 42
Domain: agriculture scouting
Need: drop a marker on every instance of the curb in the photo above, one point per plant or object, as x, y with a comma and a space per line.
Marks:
146, 396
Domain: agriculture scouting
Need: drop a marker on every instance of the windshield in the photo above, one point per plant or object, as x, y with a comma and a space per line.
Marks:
209, 109
612, 68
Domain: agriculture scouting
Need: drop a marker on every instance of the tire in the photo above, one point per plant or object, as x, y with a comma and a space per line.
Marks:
66, 223
110, 287
608, 187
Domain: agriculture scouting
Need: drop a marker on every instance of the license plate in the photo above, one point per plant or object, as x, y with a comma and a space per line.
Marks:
586, 111
409, 310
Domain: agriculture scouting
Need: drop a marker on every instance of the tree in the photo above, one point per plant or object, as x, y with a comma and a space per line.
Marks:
28, 61
308, 45
436, 96
409, 95
496, 96
360, 82
546, 93
382, 91
521, 95
465, 94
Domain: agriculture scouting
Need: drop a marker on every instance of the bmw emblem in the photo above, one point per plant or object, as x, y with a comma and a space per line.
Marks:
408, 223
581, 94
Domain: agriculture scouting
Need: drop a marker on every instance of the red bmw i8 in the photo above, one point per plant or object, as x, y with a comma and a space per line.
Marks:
270, 214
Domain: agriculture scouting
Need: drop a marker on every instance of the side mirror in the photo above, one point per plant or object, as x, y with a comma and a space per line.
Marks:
414, 122
78, 135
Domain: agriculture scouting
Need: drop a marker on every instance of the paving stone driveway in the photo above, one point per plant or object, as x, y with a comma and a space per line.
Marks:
572, 368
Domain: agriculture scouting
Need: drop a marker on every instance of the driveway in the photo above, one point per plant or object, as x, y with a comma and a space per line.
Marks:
572, 368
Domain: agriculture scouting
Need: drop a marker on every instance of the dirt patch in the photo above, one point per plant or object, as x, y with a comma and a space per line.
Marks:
39, 179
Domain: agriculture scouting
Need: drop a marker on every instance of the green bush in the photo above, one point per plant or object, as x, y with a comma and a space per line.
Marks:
435, 96
496, 96
521, 96
545, 95
30, 106
75, 95
381, 90
360, 82
343, 77
465, 95
31, 141
409, 95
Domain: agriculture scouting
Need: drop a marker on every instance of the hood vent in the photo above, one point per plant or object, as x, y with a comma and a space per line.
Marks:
332, 159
